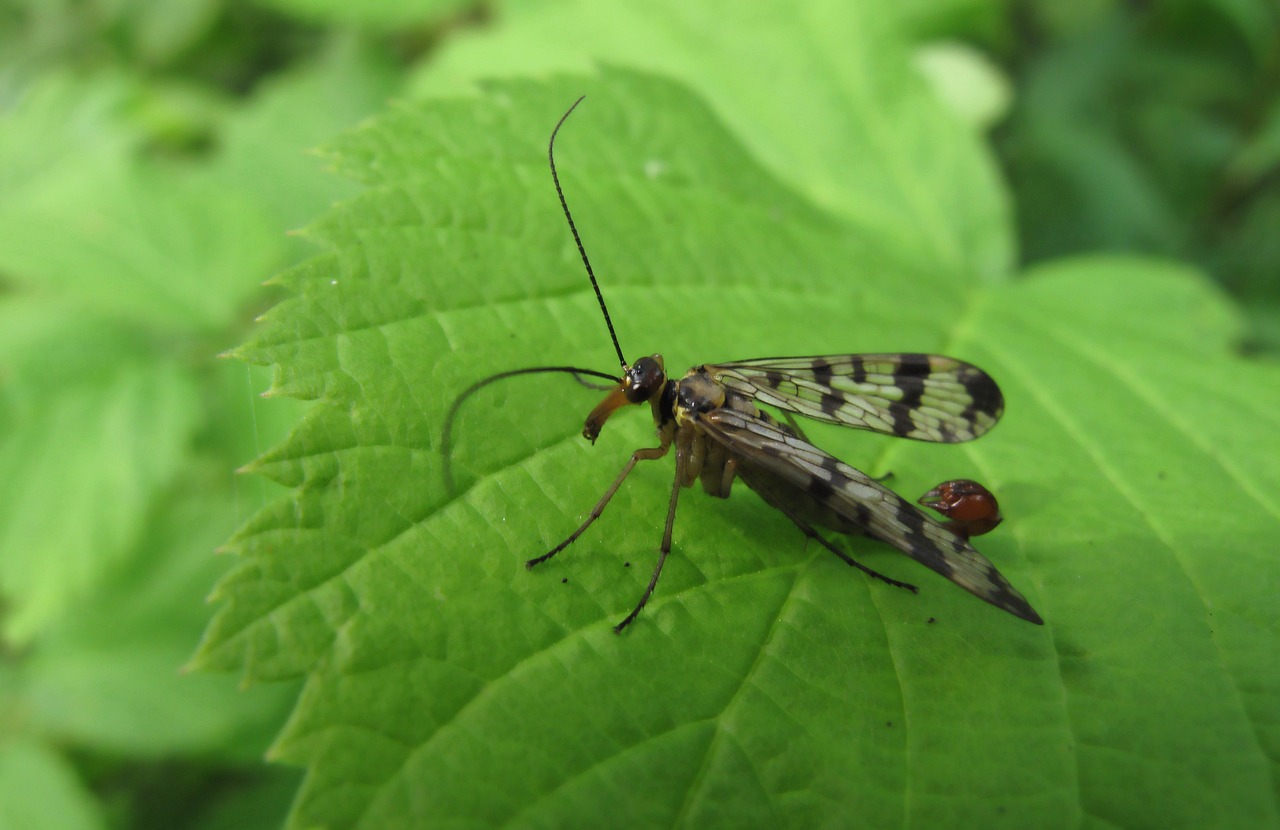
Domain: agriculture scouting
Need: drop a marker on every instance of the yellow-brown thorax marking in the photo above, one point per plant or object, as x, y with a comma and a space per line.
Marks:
676, 407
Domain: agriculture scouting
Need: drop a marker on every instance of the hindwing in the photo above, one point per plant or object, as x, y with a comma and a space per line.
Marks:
862, 501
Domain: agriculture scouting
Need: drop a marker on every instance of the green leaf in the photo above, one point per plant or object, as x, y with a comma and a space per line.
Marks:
61, 128
969, 83
123, 271
94, 419
38, 791
264, 148
820, 92
1131, 132
107, 676
261, 805
148, 245
373, 14
766, 684
174, 248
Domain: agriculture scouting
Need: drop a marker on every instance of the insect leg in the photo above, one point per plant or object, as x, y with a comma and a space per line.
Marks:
726, 479
647, 454
855, 563
718, 469
815, 535
682, 456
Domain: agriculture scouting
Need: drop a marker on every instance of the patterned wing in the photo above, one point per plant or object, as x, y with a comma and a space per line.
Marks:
861, 501
923, 396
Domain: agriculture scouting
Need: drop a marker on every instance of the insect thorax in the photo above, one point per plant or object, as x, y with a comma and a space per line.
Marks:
697, 394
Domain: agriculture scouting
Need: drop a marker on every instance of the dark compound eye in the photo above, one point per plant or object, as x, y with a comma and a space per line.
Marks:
645, 379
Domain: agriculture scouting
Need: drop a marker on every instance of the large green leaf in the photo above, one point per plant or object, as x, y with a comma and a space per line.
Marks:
766, 684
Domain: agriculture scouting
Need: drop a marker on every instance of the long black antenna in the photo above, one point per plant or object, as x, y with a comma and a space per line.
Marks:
446, 435
551, 158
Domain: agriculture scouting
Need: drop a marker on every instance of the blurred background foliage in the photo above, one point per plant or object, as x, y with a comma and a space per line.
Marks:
152, 160
1150, 127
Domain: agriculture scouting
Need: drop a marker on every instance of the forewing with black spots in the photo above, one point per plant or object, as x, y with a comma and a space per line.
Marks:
922, 396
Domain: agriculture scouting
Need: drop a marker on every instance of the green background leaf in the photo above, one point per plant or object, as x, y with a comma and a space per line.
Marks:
808, 91
38, 790
375, 14
124, 270
766, 683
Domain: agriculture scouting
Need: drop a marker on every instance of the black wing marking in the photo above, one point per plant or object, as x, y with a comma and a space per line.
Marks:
922, 396
863, 502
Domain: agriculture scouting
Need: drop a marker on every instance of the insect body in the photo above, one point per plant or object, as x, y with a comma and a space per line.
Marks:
712, 419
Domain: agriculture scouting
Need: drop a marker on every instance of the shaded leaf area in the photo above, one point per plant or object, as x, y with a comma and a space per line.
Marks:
767, 684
